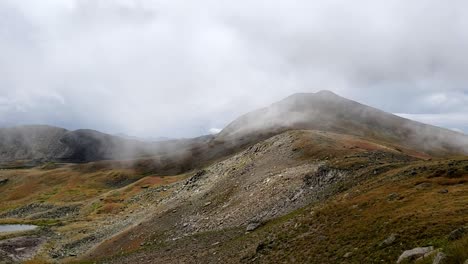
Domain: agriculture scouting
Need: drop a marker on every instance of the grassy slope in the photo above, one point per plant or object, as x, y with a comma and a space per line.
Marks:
99, 192
60, 185
355, 220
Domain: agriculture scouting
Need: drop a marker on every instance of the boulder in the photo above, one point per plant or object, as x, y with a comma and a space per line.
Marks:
414, 253
252, 226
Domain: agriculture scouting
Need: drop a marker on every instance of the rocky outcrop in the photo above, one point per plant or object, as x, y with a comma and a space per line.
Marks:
19, 249
414, 253
252, 226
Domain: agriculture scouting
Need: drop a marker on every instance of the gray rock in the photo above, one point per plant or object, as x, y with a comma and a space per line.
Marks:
252, 226
3, 181
347, 255
423, 185
414, 253
440, 258
394, 197
457, 233
389, 240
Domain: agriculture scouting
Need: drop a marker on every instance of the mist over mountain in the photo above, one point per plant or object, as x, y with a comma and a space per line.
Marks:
323, 111
47, 143
327, 111
233, 132
311, 174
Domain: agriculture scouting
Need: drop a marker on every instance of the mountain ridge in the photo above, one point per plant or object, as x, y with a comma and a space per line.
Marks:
323, 110
333, 184
327, 111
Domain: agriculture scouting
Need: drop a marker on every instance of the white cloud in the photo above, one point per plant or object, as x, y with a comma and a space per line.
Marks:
447, 120
214, 130
177, 68
457, 130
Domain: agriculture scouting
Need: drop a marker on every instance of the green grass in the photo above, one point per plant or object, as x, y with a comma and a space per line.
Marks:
457, 251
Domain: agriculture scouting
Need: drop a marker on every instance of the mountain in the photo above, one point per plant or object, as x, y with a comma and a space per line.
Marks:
314, 178
327, 111
33, 145
323, 111
47, 143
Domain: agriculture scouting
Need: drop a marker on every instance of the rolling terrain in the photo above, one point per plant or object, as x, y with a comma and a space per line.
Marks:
314, 178
36, 144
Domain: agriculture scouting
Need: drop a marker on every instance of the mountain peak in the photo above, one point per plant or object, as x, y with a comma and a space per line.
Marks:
320, 94
327, 111
326, 93
301, 100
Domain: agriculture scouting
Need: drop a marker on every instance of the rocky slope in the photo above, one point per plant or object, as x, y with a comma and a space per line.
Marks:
263, 182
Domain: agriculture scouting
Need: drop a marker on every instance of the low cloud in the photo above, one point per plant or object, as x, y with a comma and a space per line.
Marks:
215, 130
454, 121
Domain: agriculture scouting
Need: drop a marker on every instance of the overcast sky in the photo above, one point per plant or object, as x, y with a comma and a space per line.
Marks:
182, 68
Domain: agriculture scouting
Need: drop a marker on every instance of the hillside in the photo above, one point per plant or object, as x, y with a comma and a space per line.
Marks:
334, 182
307, 196
327, 111
46, 143
36, 144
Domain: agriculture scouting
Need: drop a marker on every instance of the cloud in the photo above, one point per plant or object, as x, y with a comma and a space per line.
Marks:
454, 121
457, 130
178, 68
215, 130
